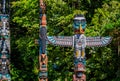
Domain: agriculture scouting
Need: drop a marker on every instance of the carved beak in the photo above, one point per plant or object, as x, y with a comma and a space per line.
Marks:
81, 30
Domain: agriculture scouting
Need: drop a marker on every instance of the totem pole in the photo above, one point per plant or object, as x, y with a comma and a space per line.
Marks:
78, 41
43, 75
4, 41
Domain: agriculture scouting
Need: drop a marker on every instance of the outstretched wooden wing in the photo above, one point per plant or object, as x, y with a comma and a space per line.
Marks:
68, 41
65, 41
97, 41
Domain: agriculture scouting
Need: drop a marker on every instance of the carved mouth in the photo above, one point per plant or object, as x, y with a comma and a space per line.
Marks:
80, 31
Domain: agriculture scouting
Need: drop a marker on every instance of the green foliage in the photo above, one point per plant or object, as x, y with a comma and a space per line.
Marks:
107, 17
103, 20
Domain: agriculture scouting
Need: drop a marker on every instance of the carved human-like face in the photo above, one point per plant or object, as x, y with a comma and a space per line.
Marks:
79, 24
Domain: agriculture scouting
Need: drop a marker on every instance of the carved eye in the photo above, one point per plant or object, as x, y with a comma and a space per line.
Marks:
77, 22
83, 21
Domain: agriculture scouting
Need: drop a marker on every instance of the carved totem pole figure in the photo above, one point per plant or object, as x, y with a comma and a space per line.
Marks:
43, 36
79, 42
4, 41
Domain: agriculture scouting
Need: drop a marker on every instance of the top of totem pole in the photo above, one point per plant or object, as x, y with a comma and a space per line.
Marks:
43, 22
42, 6
79, 24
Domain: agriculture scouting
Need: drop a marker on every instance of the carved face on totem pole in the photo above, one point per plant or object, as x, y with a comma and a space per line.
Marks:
79, 24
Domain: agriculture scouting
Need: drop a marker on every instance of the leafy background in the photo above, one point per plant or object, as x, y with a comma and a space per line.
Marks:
103, 19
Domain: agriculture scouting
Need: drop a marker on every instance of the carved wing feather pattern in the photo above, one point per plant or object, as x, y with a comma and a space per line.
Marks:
97, 41
68, 41
65, 41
